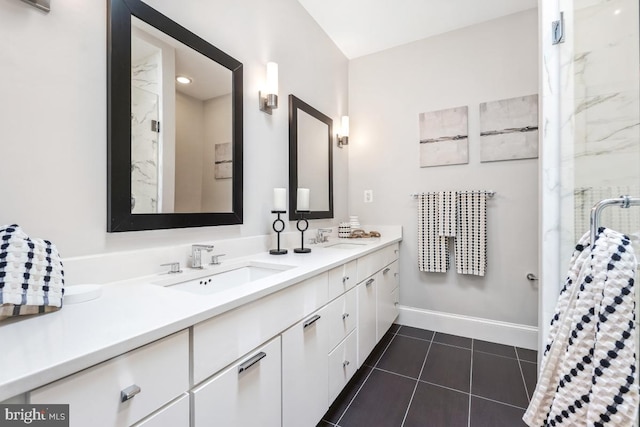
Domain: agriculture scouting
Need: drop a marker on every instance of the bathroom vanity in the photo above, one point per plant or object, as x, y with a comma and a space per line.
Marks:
274, 350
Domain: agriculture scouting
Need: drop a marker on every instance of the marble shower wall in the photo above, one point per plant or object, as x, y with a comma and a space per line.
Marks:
590, 116
145, 95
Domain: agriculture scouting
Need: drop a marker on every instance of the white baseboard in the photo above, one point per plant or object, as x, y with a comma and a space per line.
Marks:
472, 327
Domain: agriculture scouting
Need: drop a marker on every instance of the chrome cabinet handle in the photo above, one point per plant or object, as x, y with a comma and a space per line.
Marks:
395, 251
311, 321
396, 303
129, 393
344, 279
396, 274
345, 363
386, 270
345, 315
252, 361
370, 281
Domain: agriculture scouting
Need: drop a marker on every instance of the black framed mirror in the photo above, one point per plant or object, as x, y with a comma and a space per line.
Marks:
174, 154
310, 159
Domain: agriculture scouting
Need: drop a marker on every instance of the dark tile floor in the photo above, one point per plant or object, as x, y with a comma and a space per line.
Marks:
416, 377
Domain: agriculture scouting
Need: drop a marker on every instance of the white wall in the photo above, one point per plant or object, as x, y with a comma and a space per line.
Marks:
189, 149
387, 91
217, 193
53, 113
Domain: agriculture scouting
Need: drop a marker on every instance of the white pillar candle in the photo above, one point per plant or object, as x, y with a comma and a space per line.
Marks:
303, 199
280, 199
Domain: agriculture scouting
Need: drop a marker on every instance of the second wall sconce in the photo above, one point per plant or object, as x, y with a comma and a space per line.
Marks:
343, 136
269, 99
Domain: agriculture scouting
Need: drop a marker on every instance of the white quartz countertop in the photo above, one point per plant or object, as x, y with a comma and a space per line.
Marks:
37, 350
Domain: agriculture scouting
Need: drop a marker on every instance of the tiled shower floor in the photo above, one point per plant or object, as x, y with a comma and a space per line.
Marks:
417, 378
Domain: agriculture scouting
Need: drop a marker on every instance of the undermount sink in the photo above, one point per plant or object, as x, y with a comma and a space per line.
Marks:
232, 276
345, 245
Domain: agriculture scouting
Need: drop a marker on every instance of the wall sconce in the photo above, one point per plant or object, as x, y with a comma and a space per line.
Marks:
269, 101
343, 136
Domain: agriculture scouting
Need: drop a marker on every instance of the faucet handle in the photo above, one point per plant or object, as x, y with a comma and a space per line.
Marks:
215, 259
174, 267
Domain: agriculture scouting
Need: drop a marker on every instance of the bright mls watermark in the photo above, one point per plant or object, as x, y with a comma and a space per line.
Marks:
12, 415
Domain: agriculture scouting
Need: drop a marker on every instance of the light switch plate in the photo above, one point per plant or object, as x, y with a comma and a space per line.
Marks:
368, 196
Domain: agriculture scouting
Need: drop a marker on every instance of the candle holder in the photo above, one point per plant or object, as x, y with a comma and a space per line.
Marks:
300, 224
278, 223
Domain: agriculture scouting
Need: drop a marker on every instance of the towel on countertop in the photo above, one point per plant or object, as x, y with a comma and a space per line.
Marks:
471, 233
31, 274
588, 375
433, 249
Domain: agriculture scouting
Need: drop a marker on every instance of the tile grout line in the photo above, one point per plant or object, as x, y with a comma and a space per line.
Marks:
470, 385
365, 380
497, 401
524, 382
417, 382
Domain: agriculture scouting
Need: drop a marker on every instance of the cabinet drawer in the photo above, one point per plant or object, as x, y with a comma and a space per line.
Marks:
342, 365
341, 317
159, 369
248, 393
176, 414
219, 341
389, 280
391, 253
370, 264
342, 278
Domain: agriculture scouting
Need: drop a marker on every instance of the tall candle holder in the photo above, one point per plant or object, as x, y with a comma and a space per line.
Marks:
299, 226
278, 223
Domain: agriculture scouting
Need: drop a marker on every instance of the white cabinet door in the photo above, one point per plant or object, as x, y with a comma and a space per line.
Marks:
366, 317
305, 370
245, 394
387, 308
342, 365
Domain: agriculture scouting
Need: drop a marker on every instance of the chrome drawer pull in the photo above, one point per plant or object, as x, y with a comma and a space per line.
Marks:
311, 321
345, 363
129, 393
386, 270
370, 281
344, 279
345, 315
249, 363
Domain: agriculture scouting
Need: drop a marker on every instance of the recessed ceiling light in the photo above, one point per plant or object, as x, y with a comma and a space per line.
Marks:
617, 11
184, 80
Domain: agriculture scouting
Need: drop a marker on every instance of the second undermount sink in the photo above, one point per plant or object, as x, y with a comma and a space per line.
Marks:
345, 245
231, 276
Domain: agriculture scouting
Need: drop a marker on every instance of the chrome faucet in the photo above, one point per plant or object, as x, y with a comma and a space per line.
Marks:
320, 235
196, 254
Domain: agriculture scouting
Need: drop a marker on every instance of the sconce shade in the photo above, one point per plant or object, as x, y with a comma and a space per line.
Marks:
345, 125
269, 97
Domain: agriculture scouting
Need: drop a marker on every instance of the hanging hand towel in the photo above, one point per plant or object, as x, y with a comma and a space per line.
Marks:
31, 275
447, 213
433, 250
588, 374
471, 233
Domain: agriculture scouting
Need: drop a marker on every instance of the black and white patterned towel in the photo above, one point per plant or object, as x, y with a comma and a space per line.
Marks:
471, 232
31, 275
433, 249
588, 375
447, 213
